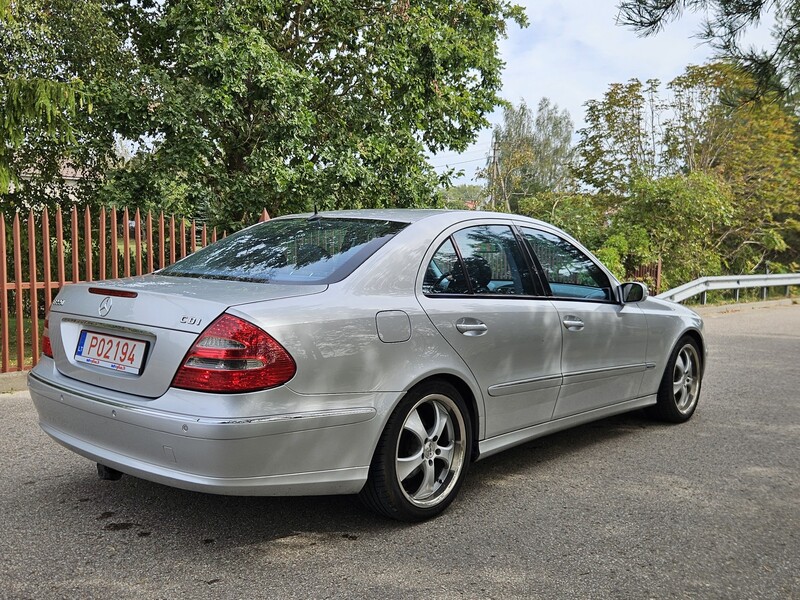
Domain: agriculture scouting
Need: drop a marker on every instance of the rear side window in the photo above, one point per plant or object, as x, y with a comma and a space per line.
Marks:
570, 273
491, 262
444, 268
315, 250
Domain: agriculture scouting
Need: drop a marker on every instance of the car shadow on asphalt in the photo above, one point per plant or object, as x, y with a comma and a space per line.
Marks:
556, 446
145, 510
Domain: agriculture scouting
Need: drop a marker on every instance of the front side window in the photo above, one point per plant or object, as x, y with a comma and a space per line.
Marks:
300, 250
490, 262
570, 273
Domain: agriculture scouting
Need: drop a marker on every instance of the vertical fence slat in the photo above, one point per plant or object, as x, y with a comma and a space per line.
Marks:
74, 249
114, 245
15, 233
162, 245
47, 276
62, 276
658, 276
183, 238
4, 350
137, 235
101, 242
171, 239
149, 241
34, 295
126, 243
19, 291
87, 242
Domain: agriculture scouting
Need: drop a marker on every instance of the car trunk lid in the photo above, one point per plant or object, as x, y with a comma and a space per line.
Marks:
144, 326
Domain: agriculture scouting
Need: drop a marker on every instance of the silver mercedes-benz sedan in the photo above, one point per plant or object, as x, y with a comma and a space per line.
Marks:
376, 353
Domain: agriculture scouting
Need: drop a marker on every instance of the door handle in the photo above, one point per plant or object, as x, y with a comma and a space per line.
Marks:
573, 323
471, 327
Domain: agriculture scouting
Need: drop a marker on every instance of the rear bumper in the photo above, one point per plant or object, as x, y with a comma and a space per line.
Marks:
293, 452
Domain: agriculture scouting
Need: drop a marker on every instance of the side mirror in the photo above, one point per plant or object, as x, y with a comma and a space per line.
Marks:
633, 291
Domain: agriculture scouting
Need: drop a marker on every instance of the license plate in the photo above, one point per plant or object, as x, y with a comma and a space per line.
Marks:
111, 352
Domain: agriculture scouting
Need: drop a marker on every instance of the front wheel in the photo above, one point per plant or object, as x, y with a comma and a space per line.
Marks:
680, 385
422, 456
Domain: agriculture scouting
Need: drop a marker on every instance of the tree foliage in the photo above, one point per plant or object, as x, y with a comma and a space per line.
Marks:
639, 136
283, 104
579, 214
464, 196
774, 69
623, 137
73, 48
685, 218
532, 153
37, 96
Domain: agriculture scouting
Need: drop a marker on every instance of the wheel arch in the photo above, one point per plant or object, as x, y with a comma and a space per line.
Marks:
470, 400
697, 337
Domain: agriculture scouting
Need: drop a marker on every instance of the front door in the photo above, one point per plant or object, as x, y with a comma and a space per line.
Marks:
604, 342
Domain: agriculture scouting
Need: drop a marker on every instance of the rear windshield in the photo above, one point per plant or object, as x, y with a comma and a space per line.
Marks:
301, 250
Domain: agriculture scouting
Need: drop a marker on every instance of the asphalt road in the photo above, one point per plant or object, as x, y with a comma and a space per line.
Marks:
622, 508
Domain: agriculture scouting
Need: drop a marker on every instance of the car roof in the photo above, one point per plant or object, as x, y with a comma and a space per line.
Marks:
402, 215
412, 215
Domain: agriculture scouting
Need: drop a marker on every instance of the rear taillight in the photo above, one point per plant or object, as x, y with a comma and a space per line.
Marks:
47, 348
232, 355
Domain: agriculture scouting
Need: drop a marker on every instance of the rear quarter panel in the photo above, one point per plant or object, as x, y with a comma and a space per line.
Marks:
334, 339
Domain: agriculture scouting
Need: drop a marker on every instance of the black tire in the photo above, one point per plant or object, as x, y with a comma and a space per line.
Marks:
422, 456
680, 386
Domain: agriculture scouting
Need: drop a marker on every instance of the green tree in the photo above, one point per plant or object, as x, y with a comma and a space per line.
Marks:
579, 214
637, 134
286, 104
532, 153
241, 105
751, 147
465, 196
702, 119
623, 140
760, 164
37, 98
680, 218
66, 48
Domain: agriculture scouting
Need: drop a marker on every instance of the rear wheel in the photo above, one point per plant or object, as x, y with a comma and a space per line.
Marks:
680, 385
422, 456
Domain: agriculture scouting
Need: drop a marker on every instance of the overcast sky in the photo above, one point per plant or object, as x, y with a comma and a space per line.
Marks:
571, 51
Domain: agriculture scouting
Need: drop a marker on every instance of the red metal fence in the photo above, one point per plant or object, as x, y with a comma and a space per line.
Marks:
39, 257
649, 274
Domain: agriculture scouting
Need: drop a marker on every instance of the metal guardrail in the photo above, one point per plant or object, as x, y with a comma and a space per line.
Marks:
730, 282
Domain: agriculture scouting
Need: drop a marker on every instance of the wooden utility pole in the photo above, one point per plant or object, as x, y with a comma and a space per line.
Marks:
494, 171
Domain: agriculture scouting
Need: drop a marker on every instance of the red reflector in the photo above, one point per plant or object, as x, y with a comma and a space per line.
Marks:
232, 355
112, 292
47, 349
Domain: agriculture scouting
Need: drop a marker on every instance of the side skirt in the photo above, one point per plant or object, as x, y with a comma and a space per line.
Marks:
514, 438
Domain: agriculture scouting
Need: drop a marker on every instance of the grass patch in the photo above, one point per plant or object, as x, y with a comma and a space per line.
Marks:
12, 340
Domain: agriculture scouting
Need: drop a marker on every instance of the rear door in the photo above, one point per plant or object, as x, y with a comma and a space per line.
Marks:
481, 294
604, 342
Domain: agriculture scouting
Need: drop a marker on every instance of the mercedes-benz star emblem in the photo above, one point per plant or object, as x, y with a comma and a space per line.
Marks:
105, 306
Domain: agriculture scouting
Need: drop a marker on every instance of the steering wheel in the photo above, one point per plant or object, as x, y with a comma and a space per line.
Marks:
440, 279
